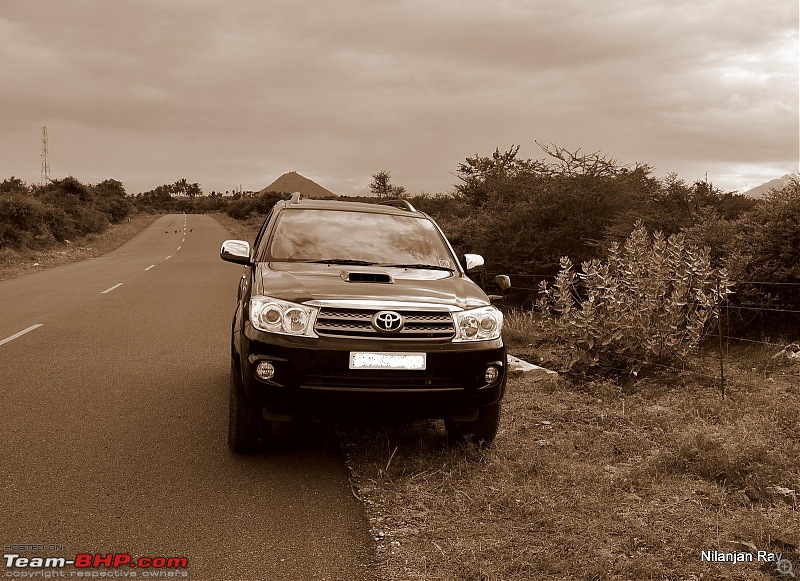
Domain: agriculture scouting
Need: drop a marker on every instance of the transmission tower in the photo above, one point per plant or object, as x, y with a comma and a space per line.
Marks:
45, 163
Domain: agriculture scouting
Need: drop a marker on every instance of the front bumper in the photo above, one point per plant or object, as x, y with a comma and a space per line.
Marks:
312, 374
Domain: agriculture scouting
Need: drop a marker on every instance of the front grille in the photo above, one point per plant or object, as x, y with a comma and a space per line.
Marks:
342, 322
336, 378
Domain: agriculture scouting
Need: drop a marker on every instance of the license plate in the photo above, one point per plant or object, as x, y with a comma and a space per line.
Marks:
366, 360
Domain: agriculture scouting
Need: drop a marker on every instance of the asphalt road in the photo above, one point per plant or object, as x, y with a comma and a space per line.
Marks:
114, 415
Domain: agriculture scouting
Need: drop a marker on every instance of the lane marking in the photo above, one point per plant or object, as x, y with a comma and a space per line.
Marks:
21, 333
149, 267
179, 247
108, 290
168, 257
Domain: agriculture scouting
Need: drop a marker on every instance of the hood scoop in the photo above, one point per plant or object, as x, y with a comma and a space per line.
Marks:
355, 276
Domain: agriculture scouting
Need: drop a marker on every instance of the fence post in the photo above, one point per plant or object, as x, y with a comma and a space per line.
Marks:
719, 332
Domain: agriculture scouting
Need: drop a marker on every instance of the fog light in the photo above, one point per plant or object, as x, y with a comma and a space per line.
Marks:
492, 374
265, 370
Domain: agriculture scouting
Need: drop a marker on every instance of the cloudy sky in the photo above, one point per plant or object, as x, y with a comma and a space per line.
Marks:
239, 92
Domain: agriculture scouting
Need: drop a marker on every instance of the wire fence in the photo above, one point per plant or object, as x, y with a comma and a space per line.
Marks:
736, 346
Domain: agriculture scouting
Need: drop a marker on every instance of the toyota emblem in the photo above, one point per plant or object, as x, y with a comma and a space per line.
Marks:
387, 321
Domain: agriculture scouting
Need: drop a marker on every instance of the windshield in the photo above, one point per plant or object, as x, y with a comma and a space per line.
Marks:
357, 237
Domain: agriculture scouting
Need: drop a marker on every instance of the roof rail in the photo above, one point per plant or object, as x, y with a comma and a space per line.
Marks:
399, 203
295, 199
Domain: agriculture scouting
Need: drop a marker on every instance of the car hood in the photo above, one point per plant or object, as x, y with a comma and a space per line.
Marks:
301, 282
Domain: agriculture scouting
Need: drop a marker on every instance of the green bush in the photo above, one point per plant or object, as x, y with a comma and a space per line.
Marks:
649, 303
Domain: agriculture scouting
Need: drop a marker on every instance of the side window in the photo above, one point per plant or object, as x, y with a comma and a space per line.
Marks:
262, 238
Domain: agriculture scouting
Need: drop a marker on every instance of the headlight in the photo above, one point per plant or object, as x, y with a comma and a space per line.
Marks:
277, 316
478, 324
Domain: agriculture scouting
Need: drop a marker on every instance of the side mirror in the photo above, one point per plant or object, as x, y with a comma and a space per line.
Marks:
473, 262
237, 251
504, 283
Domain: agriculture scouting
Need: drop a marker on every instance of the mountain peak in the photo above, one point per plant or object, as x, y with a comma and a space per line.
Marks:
292, 181
776, 184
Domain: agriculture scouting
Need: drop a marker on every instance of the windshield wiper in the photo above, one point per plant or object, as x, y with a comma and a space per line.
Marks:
420, 266
343, 261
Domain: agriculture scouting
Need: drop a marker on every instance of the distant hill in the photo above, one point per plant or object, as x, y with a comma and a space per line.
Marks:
760, 191
293, 182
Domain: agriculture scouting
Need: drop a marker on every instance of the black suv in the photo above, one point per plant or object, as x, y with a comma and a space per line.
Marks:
357, 307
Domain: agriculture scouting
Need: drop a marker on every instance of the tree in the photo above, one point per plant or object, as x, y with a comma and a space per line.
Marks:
529, 213
193, 190
113, 200
501, 177
181, 187
381, 185
767, 248
110, 188
13, 185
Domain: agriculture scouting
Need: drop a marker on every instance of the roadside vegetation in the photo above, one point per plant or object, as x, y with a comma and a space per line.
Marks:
630, 462
522, 215
649, 303
33, 216
20, 261
64, 221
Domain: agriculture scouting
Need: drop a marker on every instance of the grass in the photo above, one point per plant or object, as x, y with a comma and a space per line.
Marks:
18, 262
592, 479
240, 230
585, 482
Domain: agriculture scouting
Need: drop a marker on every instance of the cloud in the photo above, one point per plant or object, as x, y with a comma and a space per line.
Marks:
248, 90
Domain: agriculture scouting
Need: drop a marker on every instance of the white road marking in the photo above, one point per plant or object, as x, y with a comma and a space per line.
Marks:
149, 267
21, 333
108, 290
168, 257
179, 247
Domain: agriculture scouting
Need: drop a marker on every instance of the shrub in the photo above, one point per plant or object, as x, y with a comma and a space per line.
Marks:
88, 220
113, 200
650, 302
58, 223
261, 204
19, 216
767, 248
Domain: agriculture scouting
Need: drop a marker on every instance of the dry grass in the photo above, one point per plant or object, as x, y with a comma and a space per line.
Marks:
590, 480
15, 263
240, 230
526, 339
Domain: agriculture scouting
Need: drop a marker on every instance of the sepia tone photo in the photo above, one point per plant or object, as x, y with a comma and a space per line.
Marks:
396, 291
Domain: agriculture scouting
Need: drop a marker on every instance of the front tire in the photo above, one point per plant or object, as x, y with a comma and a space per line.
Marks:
248, 431
481, 430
